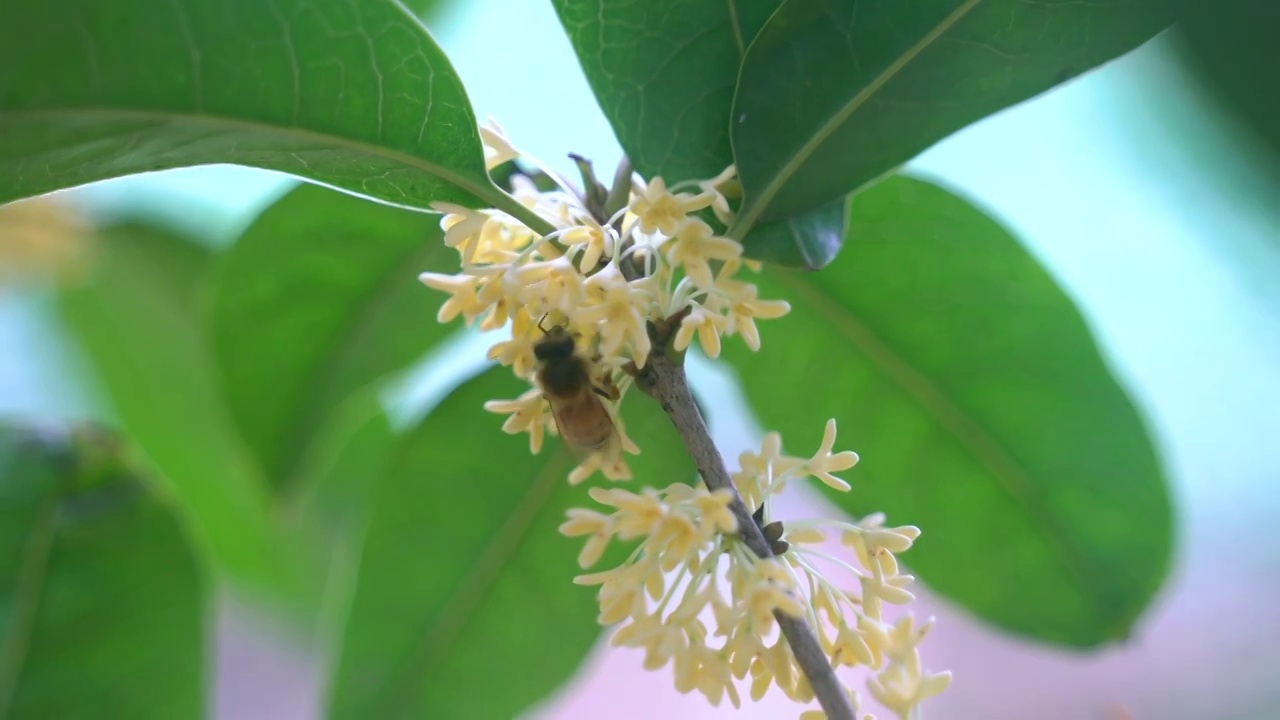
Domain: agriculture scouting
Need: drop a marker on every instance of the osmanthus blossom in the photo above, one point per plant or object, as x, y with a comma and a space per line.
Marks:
606, 282
689, 559
658, 260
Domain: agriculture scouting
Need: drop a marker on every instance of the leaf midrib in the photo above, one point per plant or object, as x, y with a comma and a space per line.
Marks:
31, 574
752, 209
457, 612
1010, 476
482, 191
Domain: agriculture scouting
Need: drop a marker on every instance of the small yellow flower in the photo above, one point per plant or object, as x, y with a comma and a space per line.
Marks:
902, 686
769, 464
463, 300
745, 308
742, 646
695, 246
761, 679
462, 227
674, 539
765, 594
590, 240
528, 414
559, 286
897, 641
708, 326
823, 463
618, 310
720, 188
597, 526
658, 210
638, 514
518, 351
713, 512
868, 538
782, 666
641, 632
851, 648
610, 464
707, 671
497, 148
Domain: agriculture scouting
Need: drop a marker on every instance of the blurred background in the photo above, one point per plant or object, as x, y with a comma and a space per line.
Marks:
1155, 207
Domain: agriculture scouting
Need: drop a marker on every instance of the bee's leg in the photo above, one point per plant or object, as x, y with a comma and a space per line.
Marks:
608, 389
604, 394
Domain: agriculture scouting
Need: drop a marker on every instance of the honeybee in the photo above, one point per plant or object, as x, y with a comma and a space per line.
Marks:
565, 378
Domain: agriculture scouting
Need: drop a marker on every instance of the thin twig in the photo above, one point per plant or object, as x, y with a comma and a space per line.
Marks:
665, 380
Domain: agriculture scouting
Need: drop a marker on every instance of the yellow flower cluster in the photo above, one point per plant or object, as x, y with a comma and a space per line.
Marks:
690, 560
603, 279
43, 239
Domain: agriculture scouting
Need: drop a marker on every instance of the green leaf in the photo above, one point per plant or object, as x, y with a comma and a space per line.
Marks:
465, 605
674, 122
427, 10
330, 512
355, 95
664, 72
834, 94
976, 397
102, 601
319, 298
138, 320
808, 241
1231, 46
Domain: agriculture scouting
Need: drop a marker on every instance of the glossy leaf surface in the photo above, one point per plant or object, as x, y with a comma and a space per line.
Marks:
355, 95
139, 320
834, 94
983, 413
318, 299
102, 599
673, 121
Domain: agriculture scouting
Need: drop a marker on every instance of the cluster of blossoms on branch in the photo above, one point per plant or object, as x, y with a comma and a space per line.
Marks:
690, 560
692, 593
604, 281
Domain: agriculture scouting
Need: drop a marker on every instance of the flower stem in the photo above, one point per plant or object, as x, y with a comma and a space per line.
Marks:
666, 382
509, 205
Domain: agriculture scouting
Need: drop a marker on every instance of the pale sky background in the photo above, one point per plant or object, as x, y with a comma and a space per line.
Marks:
1152, 218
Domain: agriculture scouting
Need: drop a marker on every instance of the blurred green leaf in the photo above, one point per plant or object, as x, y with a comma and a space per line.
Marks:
343, 470
834, 94
976, 396
355, 95
465, 585
102, 601
674, 122
138, 320
319, 298
1232, 47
